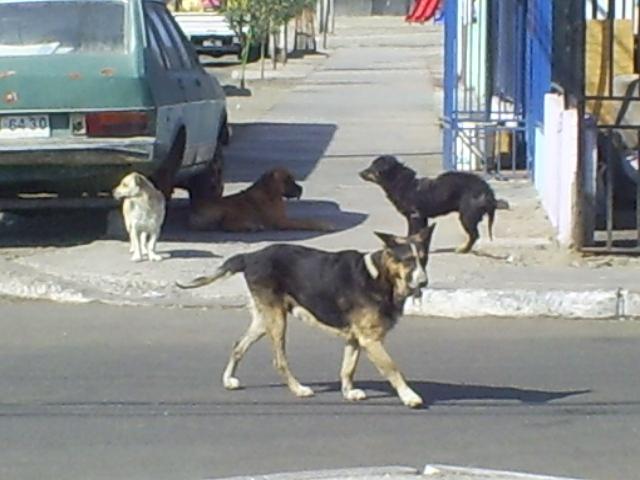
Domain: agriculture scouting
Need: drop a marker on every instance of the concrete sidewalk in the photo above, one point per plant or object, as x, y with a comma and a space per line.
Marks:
326, 117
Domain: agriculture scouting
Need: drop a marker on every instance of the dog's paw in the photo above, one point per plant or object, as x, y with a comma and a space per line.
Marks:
136, 257
410, 398
303, 391
154, 257
463, 249
354, 395
231, 383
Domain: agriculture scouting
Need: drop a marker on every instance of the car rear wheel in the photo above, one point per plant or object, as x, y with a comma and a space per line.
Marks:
164, 178
208, 185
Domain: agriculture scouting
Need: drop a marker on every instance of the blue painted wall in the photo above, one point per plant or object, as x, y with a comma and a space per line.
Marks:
450, 81
538, 69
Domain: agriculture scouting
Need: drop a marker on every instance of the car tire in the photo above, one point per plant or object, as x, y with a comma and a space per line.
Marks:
208, 185
164, 177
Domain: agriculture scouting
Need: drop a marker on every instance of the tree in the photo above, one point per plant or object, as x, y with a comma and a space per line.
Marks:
283, 11
248, 19
254, 20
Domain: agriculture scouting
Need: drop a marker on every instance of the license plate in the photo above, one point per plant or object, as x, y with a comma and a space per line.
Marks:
212, 43
24, 126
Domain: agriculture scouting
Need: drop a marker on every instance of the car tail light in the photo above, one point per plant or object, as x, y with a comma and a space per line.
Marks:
118, 124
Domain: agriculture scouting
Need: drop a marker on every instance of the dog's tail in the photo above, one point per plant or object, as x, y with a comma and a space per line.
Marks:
491, 213
231, 266
490, 206
495, 204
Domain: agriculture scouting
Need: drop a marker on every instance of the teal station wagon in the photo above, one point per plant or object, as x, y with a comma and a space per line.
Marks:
93, 89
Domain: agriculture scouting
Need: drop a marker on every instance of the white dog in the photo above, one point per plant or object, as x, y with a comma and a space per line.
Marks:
143, 210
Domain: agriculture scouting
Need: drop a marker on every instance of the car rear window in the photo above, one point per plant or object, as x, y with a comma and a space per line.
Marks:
59, 27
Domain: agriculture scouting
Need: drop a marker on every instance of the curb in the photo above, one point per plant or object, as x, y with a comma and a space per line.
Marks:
430, 471
387, 472
598, 304
21, 283
617, 303
446, 472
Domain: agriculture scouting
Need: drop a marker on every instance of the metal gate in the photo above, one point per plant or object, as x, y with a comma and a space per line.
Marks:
484, 104
610, 130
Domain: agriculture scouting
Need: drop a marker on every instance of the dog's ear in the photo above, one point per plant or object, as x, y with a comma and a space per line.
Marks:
390, 240
138, 179
276, 175
271, 183
387, 158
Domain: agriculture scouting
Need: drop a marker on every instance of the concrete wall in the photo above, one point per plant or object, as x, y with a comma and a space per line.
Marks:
556, 165
372, 7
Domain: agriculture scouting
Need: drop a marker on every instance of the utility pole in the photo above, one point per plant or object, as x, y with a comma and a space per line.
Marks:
326, 10
332, 9
320, 15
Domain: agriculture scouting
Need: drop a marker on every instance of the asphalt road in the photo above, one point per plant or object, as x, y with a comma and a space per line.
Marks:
97, 392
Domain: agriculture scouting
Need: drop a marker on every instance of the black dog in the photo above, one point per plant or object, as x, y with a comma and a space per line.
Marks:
419, 199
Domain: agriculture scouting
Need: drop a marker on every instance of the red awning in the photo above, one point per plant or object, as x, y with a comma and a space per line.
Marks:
423, 10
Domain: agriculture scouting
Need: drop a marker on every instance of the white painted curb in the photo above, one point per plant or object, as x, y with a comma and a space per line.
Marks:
446, 472
460, 303
435, 472
18, 283
388, 472
614, 303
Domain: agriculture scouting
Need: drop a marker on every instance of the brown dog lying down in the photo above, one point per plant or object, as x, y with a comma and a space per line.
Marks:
259, 207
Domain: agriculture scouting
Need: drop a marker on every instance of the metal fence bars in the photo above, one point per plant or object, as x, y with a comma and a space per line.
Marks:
485, 86
610, 129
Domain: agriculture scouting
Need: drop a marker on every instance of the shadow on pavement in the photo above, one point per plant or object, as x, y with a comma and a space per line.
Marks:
255, 148
233, 91
433, 392
220, 62
63, 228
175, 228
51, 228
190, 253
258, 147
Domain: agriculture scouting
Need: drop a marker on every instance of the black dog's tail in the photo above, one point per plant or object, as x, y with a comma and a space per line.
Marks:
496, 204
231, 266
491, 204
491, 213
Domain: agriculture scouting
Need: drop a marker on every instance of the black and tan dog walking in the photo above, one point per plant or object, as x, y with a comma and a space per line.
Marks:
357, 296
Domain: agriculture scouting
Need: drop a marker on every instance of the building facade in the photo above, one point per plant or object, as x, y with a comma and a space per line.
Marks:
547, 89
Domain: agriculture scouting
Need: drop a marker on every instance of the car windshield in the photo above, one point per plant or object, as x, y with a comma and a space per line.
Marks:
59, 27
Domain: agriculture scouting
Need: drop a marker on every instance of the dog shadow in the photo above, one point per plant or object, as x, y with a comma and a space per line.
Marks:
475, 253
491, 256
443, 250
435, 392
176, 229
189, 254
